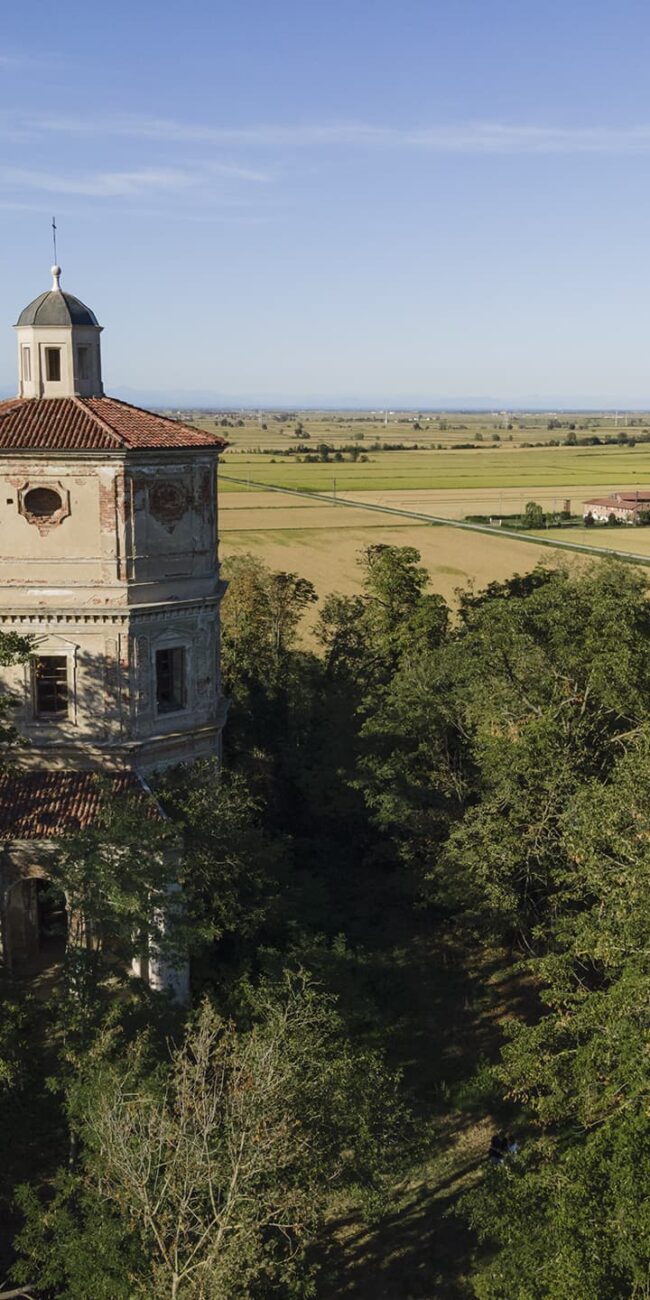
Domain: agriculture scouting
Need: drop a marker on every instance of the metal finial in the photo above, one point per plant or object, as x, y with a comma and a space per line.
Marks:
54, 239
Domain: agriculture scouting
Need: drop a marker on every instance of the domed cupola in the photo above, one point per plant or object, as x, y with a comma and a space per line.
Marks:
58, 346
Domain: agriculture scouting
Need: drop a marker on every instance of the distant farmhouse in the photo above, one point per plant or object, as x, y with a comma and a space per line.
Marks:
627, 507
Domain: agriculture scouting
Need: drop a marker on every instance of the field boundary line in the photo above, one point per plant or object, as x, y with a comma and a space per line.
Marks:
492, 530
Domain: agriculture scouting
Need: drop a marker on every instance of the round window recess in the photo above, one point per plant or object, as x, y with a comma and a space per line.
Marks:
42, 502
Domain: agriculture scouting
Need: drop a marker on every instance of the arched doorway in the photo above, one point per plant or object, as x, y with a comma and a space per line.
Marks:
36, 925
52, 922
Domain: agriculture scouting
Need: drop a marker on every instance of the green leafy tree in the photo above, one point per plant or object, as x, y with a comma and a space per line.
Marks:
368, 636
214, 1172
261, 614
119, 877
14, 649
230, 867
522, 702
571, 1215
533, 516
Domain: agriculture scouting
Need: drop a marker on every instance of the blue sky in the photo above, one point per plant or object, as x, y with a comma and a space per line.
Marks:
337, 201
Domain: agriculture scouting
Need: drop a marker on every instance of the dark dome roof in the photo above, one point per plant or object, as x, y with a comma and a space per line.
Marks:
57, 308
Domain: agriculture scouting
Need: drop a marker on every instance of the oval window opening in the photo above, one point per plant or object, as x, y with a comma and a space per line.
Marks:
42, 501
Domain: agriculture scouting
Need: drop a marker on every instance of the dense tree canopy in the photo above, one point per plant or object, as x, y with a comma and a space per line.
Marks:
208, 1174
486, 768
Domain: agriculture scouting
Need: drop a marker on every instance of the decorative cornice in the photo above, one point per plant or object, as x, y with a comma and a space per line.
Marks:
130, 455
110, 617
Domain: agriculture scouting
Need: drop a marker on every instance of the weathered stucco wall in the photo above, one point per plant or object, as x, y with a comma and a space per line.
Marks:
129, 531
125, 568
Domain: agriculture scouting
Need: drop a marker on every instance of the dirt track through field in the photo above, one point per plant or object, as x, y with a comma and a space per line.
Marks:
348, 502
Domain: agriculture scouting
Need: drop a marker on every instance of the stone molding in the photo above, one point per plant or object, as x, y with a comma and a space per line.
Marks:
44, 523
110, 618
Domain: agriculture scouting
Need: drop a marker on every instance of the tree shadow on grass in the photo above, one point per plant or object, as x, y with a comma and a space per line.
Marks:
435, 1004
419, 1251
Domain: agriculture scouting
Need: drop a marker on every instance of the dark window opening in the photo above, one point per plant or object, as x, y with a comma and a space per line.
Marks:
170, 680
51, 686
42, 501
53, 364
83, 363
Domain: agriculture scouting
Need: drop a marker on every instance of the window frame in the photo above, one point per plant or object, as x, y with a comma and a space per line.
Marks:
43, 514
179, 699
26, 363
52, 353
51, 715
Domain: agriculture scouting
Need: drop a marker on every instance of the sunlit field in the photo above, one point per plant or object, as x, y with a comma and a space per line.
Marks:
271, 430
322, 541
328, 552
461, 471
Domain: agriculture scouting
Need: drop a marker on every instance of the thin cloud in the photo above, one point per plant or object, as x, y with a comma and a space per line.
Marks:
108, 184
470, 137
10, 60
123, 184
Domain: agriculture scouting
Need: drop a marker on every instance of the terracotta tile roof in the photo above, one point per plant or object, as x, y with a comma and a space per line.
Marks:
621, 500
92, 424
43, 805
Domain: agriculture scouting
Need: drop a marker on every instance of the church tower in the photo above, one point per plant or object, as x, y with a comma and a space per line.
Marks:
108, 561
58, 346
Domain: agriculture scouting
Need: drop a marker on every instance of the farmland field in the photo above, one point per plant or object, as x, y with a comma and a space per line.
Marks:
328, 555
525, 468
634, 541
321, 540
267, 431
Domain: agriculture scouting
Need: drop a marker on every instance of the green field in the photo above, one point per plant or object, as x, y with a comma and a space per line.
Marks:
385, 471
322, 540
268, 430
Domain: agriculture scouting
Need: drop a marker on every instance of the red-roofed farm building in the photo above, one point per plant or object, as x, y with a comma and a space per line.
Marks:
627, 507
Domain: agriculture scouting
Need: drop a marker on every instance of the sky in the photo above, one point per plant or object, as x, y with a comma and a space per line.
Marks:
336, 202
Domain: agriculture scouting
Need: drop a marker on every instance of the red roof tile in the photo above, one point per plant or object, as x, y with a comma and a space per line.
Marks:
621, 500
92, 424
44, 805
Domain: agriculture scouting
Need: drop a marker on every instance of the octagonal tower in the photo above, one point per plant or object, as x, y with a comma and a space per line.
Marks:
108, 559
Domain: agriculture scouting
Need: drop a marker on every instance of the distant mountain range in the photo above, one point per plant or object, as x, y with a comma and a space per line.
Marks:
182, 400
397, 402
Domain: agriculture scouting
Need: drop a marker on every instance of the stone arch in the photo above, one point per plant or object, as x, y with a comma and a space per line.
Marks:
34, 922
